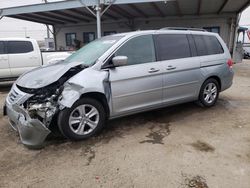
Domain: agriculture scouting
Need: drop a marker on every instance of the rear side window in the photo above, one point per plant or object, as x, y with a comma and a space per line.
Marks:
172, 46
17, 47
213, 45
2, 47
200, 45
138, 50
207, 45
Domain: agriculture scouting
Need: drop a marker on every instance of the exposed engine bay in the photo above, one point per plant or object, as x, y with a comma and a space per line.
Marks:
43, 104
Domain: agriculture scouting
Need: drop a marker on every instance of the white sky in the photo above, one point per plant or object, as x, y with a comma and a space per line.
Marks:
10, 27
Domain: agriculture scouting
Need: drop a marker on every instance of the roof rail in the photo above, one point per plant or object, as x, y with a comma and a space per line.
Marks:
183, 29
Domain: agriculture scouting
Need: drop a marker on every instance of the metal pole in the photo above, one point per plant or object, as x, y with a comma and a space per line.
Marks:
231, 40
98, 19
48, 34
54, 35
244, 36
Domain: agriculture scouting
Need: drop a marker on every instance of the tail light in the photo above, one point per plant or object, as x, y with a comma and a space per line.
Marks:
230, 63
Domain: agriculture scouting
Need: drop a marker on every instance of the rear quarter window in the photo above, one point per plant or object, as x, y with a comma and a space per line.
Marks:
207, 45
17, 47
213, 45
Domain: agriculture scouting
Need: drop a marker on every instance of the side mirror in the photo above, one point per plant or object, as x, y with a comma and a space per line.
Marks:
120, 61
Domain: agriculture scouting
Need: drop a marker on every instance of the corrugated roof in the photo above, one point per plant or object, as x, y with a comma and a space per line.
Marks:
74, 11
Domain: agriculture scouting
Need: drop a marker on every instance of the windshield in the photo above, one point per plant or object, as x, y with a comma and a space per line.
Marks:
92, 51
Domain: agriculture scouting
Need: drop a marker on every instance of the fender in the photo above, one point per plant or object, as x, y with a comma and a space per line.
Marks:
88, 80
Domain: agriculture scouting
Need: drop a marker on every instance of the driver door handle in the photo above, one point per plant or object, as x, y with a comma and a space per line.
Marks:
153, 70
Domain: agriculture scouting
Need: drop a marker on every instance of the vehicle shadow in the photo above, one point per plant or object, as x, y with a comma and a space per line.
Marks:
118, 128
5, 86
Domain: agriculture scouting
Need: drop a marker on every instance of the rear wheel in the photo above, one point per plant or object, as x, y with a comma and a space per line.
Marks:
83, 120
209, 92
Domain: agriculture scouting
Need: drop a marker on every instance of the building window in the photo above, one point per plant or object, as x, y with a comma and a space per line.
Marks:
212, 29
88, 37
70, 37
106, 33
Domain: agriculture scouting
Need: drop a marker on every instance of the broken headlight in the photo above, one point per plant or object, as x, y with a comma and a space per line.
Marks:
43, 104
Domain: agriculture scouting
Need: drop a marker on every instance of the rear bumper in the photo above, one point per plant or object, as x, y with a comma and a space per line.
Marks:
227, 80
32, 131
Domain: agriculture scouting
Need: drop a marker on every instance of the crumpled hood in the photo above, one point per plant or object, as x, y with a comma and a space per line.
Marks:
45, 75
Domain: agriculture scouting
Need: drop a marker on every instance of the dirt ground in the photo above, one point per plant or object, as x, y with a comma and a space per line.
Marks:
182, 146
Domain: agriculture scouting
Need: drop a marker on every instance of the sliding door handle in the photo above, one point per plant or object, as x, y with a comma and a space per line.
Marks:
170, 67
153, 70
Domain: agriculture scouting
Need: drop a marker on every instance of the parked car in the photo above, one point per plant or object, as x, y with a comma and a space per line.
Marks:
119, 75
19, 55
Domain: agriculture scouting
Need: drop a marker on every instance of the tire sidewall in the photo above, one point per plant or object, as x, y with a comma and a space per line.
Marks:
201, 98
63, 119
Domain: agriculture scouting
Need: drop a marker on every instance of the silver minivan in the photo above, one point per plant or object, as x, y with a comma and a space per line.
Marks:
115, 76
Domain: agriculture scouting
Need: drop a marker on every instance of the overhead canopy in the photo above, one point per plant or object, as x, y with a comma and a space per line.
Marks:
75, 11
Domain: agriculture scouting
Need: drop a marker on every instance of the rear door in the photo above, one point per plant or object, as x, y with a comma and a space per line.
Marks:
4, 61
138, 85
22, 57
182, 75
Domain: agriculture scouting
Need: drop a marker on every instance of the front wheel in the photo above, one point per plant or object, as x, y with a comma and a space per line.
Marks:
209, 93
84, 119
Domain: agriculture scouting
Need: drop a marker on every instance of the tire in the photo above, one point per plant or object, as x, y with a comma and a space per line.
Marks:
209, 93
76, 123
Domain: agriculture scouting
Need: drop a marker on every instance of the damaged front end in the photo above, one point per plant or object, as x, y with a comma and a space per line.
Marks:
31, 111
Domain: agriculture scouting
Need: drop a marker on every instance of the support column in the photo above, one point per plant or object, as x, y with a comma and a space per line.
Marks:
48, 34
98, 14
237, 48
98, 19
54, 35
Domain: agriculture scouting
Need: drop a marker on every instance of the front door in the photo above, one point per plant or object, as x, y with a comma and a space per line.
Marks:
138, 85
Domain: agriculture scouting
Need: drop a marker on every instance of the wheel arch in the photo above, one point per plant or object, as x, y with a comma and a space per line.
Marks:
217, 78
100, 97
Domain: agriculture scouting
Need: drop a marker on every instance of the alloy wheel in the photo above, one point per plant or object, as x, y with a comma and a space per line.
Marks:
84, 119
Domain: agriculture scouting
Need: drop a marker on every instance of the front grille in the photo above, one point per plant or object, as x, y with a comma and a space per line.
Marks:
16, 96
13, 96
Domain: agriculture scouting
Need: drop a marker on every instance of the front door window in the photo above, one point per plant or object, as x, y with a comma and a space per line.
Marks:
138, 50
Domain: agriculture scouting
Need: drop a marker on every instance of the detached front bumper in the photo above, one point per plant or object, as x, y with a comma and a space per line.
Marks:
32, 131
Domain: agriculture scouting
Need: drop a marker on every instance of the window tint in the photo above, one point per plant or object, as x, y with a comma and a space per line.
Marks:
172, 46
207, 45
16, 47
138, 50
1, 47
200, 45
213, 45
192, 45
